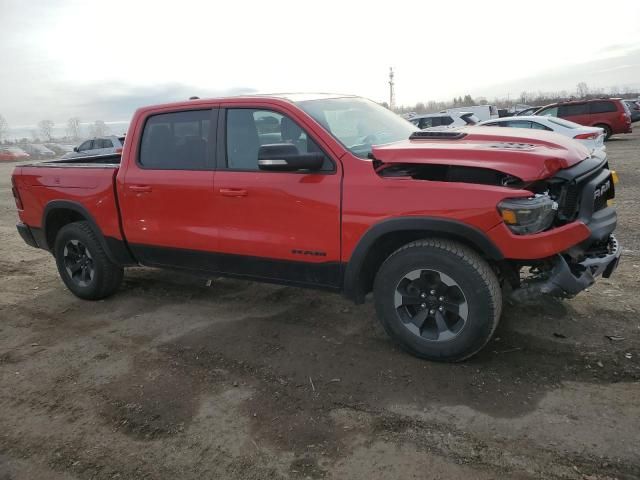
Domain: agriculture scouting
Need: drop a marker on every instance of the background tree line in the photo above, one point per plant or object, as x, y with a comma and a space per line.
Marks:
44, 131
538, 98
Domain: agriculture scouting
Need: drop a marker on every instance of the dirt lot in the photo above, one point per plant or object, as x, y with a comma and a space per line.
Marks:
171, 379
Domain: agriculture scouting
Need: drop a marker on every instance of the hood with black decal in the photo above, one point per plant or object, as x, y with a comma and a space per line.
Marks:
526, 154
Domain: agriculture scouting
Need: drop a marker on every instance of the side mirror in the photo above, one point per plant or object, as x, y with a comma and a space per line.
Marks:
285, 157
75, 149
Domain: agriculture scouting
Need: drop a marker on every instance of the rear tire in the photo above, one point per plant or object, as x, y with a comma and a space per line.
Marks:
438, 299
606, 128
83, 264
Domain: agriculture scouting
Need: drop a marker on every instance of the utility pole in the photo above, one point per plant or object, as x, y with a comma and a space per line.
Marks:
392, 93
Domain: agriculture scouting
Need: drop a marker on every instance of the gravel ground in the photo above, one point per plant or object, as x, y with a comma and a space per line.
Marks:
171, 379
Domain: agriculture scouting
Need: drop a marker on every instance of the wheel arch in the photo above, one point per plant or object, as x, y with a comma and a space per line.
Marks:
59, 213
606, 124
383, 238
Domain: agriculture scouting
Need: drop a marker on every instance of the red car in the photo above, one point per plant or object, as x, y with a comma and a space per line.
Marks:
336, 193
610, 114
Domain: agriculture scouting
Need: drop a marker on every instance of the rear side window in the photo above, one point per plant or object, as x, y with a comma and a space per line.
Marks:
176, 141
573, 109
102, 143
517, 124
603, 107
539, 126
446, 120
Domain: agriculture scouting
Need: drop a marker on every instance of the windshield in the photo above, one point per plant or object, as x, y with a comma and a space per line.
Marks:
358, 123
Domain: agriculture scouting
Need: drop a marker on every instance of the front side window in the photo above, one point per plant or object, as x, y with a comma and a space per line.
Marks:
85, 146
549, 112
426, 122
248, 129
357, 123
176, 141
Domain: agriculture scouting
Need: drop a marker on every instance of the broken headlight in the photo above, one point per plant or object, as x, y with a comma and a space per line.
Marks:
528, 215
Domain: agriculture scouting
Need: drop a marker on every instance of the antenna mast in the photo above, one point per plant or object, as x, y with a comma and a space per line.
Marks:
392, 93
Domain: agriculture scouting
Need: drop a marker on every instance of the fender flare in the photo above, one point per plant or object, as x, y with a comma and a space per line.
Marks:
431, 226
115, 249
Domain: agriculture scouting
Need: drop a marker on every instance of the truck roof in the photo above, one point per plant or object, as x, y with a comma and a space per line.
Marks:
290, 97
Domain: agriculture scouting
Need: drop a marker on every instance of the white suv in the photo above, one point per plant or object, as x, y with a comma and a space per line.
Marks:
97, 146
453, 119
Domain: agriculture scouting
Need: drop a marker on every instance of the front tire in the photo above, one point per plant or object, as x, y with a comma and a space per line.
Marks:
83, 264
438, 299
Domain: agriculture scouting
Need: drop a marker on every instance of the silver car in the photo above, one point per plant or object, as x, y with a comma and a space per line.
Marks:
97, 146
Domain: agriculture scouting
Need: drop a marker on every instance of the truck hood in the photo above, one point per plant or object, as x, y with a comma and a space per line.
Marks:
527, 154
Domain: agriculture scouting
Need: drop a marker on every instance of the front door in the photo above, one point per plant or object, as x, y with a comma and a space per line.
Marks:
281, 226
167, 194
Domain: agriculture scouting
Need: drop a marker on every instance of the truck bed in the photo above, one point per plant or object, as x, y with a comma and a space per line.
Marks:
86, 184
95, 161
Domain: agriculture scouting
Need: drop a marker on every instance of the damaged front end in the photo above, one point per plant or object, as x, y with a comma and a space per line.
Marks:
564, 277
585, 194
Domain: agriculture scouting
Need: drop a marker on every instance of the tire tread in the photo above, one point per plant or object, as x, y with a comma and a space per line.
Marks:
480, 265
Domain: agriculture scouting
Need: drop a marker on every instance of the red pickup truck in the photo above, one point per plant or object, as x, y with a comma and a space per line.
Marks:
336, 193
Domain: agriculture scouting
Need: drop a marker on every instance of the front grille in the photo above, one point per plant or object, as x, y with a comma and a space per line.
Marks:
568, 207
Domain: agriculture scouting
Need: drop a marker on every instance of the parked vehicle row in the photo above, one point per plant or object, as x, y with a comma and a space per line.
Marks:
454, 119
13, 154
335, 193
98, 146
634, 109
590, 137
612, 114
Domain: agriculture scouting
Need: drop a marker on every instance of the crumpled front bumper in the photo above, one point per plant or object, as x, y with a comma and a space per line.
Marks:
566, 279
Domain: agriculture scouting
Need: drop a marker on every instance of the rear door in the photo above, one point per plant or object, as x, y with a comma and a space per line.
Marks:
166, 197
604, 112
280, 226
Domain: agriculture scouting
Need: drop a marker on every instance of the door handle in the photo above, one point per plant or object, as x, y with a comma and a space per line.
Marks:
233, 192
140, 188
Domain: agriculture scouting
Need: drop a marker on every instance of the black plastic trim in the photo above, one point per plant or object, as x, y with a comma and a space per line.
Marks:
115, 249
27, 235
436, 135
431, 226
325, 275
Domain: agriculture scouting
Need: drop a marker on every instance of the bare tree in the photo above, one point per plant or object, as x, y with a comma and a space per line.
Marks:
73, 128
582, 89
4, 127
98, 129
46, 128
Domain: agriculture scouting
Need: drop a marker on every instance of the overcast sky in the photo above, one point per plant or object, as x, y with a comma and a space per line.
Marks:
101, 60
